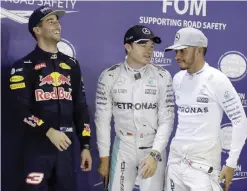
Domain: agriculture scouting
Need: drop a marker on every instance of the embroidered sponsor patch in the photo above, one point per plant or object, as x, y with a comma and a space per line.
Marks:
64, 66
86, 131
16, 78
17, 86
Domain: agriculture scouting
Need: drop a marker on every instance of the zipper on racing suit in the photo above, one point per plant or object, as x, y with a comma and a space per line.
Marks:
54, 58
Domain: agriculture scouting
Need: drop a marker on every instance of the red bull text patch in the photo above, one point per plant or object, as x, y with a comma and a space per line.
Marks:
57, 93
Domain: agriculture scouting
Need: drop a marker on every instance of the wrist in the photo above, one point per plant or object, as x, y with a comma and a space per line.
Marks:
105, 159
156, 155
49, 132
87, 147
155, 151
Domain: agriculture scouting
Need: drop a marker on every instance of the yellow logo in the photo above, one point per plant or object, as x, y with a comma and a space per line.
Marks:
86, 132
16, 79
55, 79
40, 122
17, 86
64, 66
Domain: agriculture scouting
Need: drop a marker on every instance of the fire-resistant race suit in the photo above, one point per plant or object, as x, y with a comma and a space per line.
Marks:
48, 91
194, 160
142, 105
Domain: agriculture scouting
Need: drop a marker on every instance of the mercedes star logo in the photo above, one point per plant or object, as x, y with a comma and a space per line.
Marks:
146, 31
177, 37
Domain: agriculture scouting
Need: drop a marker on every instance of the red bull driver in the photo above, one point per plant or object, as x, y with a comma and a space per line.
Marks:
50, 100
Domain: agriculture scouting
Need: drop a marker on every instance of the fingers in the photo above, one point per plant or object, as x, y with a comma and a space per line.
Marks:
100, 171
222, 179
87, 166
86, 163
59, 147
146, 174
83, 165
227, 184
67, 140
64, 145
60, 140
106, 183
106, 180
104, 168
152, 172
226, 188
225, 180
222, 176
149, 173
103, 172
143, 162
145, 171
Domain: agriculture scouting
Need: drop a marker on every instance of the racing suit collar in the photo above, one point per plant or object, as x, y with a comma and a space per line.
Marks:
128, 68
134, 73
47, 55
200, 71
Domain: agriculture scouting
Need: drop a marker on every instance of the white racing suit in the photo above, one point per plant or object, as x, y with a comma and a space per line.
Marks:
142, 105
194, 161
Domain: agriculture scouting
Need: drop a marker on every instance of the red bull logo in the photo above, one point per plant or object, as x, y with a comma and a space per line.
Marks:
33, 121
86, 131
57, 93
36, 120
32, 124
55, 79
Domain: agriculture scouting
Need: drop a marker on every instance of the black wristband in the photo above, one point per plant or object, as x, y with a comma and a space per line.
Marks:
86, 146
156, 156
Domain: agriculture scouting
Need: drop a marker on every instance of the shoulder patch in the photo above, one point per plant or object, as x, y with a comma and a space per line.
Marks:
159, 68
67, 58
113, 67
74, 60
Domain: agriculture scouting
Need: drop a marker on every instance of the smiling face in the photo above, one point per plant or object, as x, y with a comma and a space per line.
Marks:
140, 53
49, 29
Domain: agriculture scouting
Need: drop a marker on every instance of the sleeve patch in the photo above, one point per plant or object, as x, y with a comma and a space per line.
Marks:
16, 78
17, 86
114, 67
86, 131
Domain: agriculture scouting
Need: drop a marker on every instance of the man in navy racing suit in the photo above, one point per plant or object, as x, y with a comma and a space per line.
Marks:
49, 97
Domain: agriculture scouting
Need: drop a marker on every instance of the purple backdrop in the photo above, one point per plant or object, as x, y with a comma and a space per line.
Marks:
93, 33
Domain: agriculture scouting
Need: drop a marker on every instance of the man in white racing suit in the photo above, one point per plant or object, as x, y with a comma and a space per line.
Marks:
202, 95
139, 96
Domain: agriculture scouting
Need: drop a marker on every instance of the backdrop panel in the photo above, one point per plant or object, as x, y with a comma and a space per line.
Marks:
93, 33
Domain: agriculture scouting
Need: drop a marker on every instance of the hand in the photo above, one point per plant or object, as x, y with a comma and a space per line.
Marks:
148, 167
104, 168
59, 139
227, 174
86, 160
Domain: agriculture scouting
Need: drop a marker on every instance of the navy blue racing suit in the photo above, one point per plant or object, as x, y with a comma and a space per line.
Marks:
48, 91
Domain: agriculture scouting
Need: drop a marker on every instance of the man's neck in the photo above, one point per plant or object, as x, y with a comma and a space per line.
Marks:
50, 47
134, 65
197, 66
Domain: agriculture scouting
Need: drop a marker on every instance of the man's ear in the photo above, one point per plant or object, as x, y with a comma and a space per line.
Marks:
36, 30
127, 47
